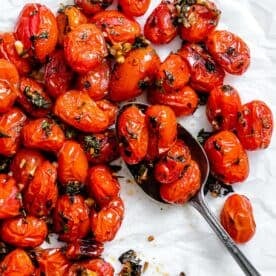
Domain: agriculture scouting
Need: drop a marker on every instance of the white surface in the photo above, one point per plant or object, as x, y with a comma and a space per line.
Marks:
183, 241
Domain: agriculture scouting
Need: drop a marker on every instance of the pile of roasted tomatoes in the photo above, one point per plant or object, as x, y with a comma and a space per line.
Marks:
61, 78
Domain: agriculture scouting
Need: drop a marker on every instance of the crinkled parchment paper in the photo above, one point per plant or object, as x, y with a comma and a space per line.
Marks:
182, 239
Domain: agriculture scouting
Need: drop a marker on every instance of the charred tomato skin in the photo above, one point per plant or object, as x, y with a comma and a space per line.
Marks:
134, 7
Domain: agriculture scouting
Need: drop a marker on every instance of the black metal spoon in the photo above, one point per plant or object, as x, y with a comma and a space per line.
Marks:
143, 174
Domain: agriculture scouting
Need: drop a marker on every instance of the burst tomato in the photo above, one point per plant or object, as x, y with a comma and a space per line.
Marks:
134, 7
92, 7
109, 109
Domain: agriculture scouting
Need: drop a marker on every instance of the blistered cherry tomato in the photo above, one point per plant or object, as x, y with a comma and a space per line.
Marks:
205, 72
77, 109
116, 27
222, 107
183, 102
160, 26
9, 52
92, 7
134, 7
96, 81
43, 134
72, 164
237, 218
85, 48
100, 147
133, 135
7, 96
17, 263
181, 190
36, 28
198, 20
33, 98
98, 267
106, 223
109, 109
57, 75
102, 185
24, 166
162, 125
10, 203
71, 218
170, 167
11, 124
26, 231
255, 125
229, 51
135, 75
227, 157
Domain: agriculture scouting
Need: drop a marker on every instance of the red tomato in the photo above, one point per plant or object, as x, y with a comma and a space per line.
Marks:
26, 231
36, 28
85, 48
11, 124
162, 125
223, 107
229, 51
10, 202
109, 109
43, 134
237, 218
227, 157
180, 191
134, 7
133, 135
7, 96
71, 218
102, 185
160, 26
255, 125
205, 72
92, 7
106, 223
77, 109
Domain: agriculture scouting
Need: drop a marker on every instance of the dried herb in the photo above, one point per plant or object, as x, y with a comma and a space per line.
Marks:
144, 84
140, 42
73, 187
217, 187
43, 35
5, 164
203, 98
92, 145
210, 66
36, 98
169, 77
227, 88
131, 264
203, 135
46, 126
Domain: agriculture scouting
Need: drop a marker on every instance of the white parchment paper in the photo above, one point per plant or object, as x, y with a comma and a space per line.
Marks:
183, 242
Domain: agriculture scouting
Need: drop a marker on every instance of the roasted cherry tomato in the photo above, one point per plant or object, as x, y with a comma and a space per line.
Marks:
85, 48
181, 190
77, 109
160, 26
227, 157
134, 7
135, 75
17, 263
205, 72
106, 223
100, 147
33, 98
71, 218
223, 107
198, 20
41, 194
183, 102
43, 134
24, 165
36, 29
96, 81
52, 262
93, 267
10, 202
116, 27
162, 125
102, 185
229, 51
26, 231
10, 52
109, 109
11, 124
255, 125
92, 7
57, 76
133, 135
87, 248
237, 218
170, 167
9, 82
72, 164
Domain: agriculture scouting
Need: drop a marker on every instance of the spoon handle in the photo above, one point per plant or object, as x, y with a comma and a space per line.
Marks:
199, 204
